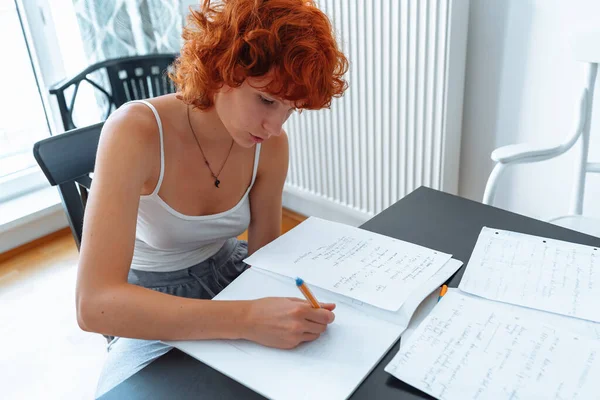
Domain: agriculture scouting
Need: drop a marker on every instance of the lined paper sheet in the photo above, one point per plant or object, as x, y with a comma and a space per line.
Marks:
582, 327
366, 266
470, 348
531, 271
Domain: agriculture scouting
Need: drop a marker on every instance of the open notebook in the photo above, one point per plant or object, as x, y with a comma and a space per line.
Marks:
376, 282
523, 324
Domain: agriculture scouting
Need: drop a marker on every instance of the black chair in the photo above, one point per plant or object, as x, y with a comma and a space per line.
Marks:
129, 78
67, 161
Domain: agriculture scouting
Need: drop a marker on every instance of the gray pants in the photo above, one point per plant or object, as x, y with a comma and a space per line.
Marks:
202, 281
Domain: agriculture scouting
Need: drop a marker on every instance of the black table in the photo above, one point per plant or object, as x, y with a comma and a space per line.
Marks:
426, 217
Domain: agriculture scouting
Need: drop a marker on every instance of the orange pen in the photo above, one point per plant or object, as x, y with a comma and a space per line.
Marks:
307, 293
443, 292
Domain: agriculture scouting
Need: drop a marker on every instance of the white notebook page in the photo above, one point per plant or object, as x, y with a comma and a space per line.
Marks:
470, 348
366, 266
535, 272
330, 367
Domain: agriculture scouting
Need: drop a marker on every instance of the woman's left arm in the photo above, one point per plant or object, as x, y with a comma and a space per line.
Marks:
265, 196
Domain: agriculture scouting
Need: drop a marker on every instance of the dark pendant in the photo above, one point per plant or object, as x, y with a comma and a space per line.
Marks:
217, 182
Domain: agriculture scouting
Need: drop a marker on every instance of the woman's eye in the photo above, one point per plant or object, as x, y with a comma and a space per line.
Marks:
265, 100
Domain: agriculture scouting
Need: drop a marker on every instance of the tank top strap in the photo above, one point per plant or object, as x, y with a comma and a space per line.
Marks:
162, 145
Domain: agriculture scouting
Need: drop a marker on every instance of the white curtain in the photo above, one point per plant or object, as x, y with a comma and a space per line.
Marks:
120, 28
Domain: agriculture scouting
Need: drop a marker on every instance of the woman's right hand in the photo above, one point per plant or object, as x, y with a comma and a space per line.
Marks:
285, 322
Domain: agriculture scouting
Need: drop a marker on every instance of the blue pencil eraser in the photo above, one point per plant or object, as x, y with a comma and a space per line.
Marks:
299, 281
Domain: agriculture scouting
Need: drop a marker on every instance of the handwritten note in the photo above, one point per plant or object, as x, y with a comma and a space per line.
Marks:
366, 266
470, 348
531, 271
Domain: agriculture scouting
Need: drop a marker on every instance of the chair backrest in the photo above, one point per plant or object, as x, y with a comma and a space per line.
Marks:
139, 78
67, 161
127, 78
587, 50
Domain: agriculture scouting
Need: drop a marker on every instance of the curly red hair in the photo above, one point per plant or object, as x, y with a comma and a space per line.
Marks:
237, 39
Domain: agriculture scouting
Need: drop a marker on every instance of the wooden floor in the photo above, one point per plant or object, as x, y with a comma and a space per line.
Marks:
45, 355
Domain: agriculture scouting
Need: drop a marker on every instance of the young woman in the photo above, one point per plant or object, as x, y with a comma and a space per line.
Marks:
180, 176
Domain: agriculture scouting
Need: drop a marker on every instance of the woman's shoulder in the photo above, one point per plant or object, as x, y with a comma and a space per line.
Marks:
132, 129
138, 113
136, 118
140, 121
274, 157
275, 150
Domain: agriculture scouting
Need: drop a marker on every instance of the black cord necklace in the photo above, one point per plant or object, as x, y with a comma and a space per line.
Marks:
216, 176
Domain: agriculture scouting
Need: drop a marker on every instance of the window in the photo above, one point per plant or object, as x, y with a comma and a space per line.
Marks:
47, 47
23, 118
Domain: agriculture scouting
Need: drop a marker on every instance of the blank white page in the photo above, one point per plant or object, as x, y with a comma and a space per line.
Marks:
331, 367
363, 265
470, 348
535, 272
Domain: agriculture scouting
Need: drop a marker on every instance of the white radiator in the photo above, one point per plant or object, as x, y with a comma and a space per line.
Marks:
398, 125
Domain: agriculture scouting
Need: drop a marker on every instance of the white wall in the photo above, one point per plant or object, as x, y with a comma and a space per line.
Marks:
522, 85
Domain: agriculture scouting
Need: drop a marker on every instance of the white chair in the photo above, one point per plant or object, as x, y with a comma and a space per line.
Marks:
587, 50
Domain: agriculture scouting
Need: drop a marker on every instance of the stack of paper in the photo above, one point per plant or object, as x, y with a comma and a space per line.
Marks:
377, 283
471, 347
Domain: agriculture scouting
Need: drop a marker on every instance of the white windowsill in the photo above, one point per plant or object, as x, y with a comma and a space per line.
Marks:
29, 217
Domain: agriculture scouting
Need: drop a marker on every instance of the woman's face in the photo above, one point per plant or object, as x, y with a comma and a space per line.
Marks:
250, 115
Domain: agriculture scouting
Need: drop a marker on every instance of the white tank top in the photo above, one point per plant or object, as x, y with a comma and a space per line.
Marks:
167, 240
